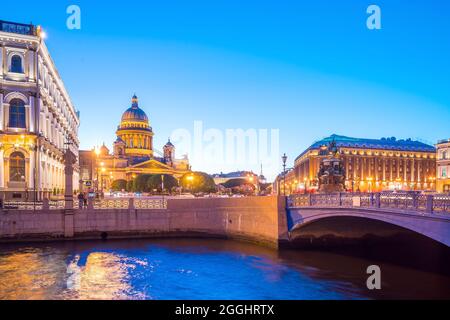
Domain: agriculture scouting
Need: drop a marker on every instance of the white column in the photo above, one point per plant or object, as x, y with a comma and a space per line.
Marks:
1, 62
31, 114
2, 112
31, 68
2, 168
31, 171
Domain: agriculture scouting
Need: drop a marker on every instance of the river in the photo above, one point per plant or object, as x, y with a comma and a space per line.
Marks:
198, 269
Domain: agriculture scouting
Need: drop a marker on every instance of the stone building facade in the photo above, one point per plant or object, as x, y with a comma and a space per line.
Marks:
443, 166
371, 165
37, 118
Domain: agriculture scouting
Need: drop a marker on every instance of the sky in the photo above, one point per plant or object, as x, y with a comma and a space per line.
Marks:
306, 68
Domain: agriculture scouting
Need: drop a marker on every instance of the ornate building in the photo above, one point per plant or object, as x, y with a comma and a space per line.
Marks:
37, 118
133, 154
370, 165
443, 166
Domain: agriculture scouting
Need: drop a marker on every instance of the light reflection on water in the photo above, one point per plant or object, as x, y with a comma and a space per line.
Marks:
194, 269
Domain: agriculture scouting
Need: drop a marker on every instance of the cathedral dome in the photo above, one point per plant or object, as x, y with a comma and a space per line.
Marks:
134, 113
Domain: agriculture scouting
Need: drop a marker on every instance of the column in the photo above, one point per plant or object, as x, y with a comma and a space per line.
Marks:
418, 171
412, 170
1, 62
31, 68
2, 164
384, 169
362, 168
2, 115
31, 171
391, 169
405, 165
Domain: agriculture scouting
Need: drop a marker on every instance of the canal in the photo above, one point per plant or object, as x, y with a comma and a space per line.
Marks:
198, 269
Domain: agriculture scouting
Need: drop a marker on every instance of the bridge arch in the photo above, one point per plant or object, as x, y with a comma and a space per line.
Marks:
436, 228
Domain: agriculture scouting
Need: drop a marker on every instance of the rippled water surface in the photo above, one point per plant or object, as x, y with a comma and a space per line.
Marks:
197, 269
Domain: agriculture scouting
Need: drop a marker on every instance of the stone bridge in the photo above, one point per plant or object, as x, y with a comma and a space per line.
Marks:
271, 220
350, 215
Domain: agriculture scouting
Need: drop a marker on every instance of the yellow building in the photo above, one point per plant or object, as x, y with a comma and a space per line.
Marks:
133, 154
371, 165
443, 166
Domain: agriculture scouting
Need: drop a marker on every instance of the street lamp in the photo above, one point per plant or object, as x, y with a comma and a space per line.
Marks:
284, 159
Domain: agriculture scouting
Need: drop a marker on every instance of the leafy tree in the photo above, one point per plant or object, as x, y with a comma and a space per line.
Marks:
233, 183
119, 185
198, 182
155, 182
140, 183
130, 186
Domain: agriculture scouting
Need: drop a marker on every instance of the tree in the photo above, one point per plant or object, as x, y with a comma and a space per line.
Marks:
119, 185
140, 183
130, 186
232, 183
155, 182
198, 182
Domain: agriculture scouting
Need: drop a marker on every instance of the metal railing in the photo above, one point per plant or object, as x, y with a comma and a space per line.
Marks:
402, 201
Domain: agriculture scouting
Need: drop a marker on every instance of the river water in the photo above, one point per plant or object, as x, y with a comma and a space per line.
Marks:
198, 269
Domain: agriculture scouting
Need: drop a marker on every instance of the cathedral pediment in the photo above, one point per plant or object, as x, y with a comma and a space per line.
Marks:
152, 164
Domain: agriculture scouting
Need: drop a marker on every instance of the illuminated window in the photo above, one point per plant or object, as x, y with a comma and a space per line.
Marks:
17, 114
17, 167
16, 64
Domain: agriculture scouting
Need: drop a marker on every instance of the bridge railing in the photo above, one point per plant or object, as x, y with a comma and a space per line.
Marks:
439, 203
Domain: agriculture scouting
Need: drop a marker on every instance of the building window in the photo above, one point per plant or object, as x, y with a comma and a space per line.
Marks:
444, 155
16, 64
17, 167
444, 173
17, 114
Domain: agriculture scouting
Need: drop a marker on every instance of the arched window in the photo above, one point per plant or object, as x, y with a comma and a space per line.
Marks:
17, 167
16, 64
17, 114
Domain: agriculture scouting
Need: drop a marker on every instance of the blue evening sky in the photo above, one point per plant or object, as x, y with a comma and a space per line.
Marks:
308, 68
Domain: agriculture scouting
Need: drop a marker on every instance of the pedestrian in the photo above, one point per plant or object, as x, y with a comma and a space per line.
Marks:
80, 200
85, 200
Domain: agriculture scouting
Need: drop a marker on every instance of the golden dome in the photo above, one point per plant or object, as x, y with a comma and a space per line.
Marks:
134, 113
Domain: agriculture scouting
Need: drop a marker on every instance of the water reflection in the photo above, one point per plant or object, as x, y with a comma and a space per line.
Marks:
197, 269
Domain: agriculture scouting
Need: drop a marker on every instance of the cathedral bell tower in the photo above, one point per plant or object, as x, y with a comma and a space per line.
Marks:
169, 153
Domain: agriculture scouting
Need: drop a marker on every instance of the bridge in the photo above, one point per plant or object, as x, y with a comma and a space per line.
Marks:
274, 220
356, 215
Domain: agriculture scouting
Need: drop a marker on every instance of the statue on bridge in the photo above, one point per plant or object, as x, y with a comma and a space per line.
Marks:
331, 173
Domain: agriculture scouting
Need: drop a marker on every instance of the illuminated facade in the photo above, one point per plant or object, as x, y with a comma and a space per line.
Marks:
371, 165
443, 166
37, 118
133, 154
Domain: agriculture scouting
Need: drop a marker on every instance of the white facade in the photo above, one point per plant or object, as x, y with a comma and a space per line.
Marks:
37, 119
443, 166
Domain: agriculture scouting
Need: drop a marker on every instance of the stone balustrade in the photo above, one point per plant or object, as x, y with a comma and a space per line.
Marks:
158, 203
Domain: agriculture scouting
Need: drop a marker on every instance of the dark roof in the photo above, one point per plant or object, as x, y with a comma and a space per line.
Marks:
383, 144
19, 28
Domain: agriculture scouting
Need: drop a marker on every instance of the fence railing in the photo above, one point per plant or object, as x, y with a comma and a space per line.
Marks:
131, 203
404, 201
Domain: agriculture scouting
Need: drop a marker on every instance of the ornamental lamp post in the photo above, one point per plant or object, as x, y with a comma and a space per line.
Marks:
284, 159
